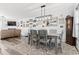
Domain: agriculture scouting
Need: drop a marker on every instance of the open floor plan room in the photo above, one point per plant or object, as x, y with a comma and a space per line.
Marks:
39, 28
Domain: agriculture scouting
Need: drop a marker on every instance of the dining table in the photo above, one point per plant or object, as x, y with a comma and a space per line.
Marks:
54, 35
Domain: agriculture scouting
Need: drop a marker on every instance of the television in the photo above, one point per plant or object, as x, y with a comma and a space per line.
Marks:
11, 23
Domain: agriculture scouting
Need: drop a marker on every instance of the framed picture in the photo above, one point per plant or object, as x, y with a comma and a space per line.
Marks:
61, 21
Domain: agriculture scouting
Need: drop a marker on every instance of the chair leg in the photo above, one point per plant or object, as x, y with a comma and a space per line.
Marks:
46, 47
28, 40
50, 43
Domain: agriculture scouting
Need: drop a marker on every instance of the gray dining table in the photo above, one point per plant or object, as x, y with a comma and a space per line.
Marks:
53, 35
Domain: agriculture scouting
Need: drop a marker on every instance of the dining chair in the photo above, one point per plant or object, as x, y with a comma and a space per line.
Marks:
42, 37
56, 43
33, 37
52, 38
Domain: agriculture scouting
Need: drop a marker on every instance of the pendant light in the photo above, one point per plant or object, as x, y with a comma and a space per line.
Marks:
43, 11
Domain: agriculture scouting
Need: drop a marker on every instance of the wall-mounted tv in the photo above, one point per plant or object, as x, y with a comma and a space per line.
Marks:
11, 23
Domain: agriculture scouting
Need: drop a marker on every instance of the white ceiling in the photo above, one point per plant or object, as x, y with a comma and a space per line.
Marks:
28, 10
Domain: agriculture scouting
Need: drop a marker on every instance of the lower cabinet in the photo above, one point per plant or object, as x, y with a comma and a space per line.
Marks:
10, 33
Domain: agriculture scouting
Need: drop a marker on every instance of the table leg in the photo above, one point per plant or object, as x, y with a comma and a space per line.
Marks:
56, 48
60, 45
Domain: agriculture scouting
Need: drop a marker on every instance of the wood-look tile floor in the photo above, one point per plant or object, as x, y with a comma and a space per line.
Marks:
19, 46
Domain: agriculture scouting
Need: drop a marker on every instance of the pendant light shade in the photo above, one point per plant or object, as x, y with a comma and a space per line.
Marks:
43, 11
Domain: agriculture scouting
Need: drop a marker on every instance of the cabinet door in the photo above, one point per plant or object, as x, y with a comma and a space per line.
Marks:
17, 32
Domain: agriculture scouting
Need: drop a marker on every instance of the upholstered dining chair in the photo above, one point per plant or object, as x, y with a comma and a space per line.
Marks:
33, 37
52, 38
42, 37
58, 46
